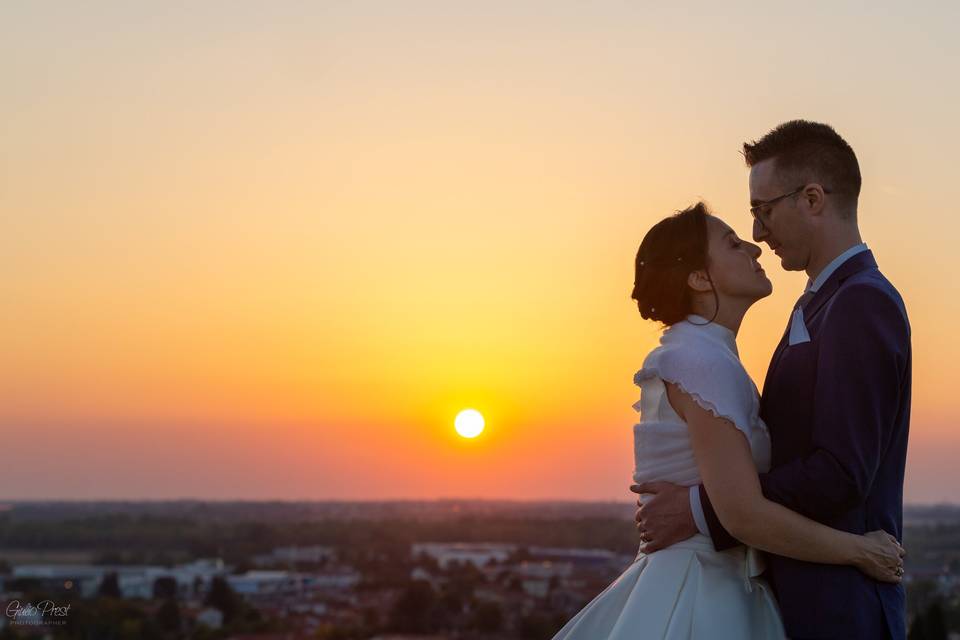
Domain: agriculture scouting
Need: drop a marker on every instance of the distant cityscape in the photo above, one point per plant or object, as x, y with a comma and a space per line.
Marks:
449, 569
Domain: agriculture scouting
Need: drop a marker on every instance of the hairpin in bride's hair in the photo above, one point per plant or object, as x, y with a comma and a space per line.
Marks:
643, 263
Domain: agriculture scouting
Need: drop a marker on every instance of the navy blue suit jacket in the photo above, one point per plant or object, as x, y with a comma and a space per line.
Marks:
838, 410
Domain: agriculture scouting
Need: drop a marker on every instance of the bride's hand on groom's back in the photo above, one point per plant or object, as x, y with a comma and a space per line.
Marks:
663, 516
881, 557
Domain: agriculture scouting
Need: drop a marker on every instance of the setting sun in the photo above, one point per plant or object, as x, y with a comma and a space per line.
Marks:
469, 423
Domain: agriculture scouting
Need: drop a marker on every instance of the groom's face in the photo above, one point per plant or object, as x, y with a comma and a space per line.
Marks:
781, 224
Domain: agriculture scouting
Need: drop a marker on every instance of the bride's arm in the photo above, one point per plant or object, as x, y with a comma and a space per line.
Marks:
730, 478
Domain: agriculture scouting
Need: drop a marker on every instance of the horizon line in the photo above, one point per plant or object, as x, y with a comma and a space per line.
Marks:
12, 501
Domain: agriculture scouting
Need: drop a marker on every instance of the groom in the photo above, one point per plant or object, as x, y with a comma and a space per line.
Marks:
837, 393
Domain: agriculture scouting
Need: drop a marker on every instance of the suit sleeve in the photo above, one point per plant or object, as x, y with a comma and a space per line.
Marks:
862, 357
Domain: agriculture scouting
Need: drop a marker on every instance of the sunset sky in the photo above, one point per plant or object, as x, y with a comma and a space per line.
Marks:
269, 250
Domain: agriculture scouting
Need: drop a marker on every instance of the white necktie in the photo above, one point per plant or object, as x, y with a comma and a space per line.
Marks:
798, 328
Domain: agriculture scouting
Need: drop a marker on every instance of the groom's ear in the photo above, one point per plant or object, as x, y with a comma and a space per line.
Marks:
699, 282
812, 199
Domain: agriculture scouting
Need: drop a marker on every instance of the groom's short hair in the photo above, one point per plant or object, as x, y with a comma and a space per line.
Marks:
810, 152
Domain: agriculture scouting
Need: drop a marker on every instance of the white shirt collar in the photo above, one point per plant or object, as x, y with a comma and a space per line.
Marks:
834, 265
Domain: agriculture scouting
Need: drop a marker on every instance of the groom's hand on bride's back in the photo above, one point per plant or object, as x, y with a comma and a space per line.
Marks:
663, 517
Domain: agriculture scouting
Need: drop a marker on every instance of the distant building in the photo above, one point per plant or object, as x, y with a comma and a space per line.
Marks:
315, 608
335, 579
477, 554
135, 581
545, 569
280, 583
79, 578
197, 573
579, 557
491, 593
536, 588
210, 617
261, 583
294, 555
419, 573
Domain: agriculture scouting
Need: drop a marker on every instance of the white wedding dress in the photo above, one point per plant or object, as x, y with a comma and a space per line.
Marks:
687, 590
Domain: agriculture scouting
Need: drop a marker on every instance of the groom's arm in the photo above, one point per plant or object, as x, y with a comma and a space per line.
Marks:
864, 347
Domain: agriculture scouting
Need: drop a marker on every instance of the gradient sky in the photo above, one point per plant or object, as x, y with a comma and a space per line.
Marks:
261, 251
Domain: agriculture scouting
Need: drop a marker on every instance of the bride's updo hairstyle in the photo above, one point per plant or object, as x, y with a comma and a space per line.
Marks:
672, 249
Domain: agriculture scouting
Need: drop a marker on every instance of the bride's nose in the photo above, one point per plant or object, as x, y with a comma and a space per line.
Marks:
755, 250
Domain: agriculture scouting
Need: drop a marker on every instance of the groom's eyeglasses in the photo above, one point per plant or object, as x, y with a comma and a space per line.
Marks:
765, 207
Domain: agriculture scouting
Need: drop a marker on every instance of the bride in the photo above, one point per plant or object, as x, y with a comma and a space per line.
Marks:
699, 422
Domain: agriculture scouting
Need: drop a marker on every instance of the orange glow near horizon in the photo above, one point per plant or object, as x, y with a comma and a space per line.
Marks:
271, 256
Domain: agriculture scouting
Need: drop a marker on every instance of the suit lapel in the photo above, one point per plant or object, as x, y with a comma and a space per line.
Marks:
775, 360
779, 350
860, 262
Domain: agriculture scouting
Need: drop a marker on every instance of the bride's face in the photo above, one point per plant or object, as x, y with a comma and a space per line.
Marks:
733, 264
